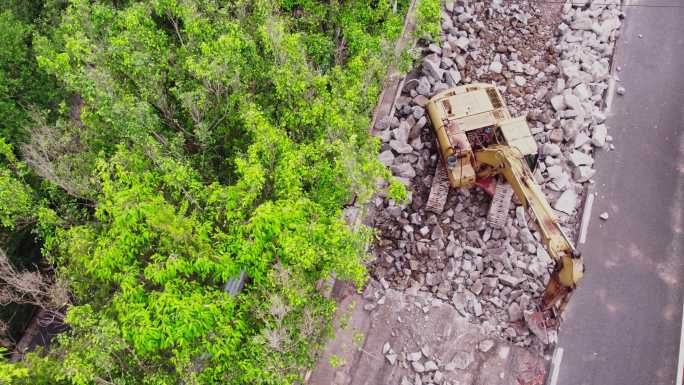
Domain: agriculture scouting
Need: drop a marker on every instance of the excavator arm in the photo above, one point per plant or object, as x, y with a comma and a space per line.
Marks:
507, 161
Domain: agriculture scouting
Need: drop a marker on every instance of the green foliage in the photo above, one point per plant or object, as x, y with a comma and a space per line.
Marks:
22, 84
10, 372
16, 197
428, 14
397, 191
195, 139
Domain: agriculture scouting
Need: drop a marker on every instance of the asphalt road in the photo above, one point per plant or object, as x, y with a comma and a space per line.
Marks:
623, 324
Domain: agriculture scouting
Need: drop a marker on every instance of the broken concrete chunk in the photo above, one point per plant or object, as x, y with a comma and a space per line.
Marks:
401, 148
417, 367
514, 312
386, 158
404, 170
430, 366
453, 77
510, 280
415, 356
551, 149
391, 358
598, 138
462, 360
486, 345
558, 102
579, 158
567, 202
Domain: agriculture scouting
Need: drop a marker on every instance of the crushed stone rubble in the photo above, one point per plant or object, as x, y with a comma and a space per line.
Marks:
552, 63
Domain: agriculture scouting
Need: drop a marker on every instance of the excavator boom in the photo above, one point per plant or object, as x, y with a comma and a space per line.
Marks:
508, 162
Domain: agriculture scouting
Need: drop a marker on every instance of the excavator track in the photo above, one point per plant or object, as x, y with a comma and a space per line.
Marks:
501, 203
439, 190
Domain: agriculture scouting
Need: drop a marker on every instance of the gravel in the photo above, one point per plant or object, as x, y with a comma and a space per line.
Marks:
551, 63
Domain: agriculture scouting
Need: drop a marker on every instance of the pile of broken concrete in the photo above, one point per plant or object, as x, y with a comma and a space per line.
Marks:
550, 63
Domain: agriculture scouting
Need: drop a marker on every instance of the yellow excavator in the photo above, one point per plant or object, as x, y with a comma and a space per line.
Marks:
479, 142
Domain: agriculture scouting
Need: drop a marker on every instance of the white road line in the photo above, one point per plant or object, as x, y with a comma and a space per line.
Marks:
555, 365
680, 361
586, 217
610, 95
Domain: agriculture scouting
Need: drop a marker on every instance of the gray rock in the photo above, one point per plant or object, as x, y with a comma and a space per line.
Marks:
430, 366
415, 356
420, 124
392, 358
421, 100
578, 158
582, 92
567, 202
510, 280
558, 102
453, 77
423, 87
386, 158
573, 102
462, 43
486, 345
520, 216
559, 86
581, 139
401, 148
551, 149
417, 367
460, 61
582, 23
462, 360
514, 312
520, 81
583, 173
418, 112
404, 170
496, 67
477, 287
437, 233
556, 135
477, 308
598, 137
401, 133
554, 171
411, 84
604, 216
431, 68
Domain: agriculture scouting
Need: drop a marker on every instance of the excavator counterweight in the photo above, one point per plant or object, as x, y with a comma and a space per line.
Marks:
479, 142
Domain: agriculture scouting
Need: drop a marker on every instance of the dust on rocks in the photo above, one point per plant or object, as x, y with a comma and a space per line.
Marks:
551, 63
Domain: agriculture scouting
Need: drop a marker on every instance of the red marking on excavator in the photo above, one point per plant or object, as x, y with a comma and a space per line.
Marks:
487, 184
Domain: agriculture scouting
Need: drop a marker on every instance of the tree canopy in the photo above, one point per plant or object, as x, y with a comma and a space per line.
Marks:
152, 150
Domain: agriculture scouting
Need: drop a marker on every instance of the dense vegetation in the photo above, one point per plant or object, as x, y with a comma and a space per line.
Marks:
151, 150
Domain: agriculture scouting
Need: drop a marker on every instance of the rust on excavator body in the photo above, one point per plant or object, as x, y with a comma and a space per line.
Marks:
478, 140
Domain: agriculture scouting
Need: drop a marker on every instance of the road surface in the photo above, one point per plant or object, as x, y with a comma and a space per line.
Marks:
623, 324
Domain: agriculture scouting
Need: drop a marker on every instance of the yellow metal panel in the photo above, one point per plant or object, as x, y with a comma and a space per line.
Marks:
477, 121
517, 134
466, 104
